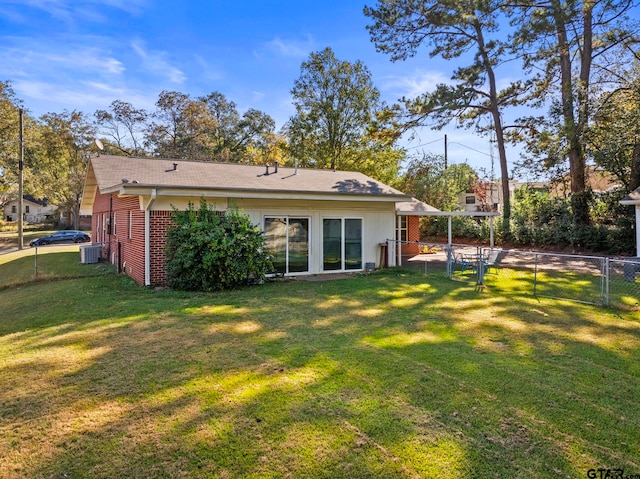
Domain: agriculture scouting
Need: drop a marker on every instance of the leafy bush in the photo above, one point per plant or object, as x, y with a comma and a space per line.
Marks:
436, 227
538, 219
207, 251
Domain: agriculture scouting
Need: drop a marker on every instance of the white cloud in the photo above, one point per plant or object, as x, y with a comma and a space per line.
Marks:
86, 96
416, 84
53, 59
156, 62
73, 11
290, 48
207, 71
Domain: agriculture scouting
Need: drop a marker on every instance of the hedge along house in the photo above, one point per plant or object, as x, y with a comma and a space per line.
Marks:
315, 221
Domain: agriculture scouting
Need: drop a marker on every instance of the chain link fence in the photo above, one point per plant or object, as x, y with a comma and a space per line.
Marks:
589, 279
623, 287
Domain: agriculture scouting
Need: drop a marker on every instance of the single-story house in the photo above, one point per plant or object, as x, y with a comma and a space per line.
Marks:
633, 199
315, 221
34, 210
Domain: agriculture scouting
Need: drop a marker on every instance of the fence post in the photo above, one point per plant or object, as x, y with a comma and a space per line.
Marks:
35, 264
448, 249
535, 274
607, 280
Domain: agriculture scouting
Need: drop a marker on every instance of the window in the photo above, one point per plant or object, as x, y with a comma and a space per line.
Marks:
287, 239
402, 233
470, 200
341, 244
13, 208
26, 209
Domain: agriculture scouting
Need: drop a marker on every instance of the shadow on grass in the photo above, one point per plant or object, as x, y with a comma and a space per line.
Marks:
387, 375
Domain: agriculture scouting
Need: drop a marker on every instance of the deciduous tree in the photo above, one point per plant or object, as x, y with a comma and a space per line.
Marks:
614, 136
237, 137
124, 126
181, 127
9, 142
336, 103
60, 166
428, 179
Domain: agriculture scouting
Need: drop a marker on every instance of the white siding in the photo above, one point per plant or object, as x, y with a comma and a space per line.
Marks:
378, 219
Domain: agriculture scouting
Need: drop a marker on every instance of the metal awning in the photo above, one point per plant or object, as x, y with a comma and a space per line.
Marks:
419, 208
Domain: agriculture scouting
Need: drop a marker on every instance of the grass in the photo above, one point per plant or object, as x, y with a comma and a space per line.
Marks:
587, 287
394, 374
44, 263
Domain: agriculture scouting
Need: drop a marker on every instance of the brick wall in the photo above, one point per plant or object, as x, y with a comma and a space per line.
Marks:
413, 235
160, 222
126, 236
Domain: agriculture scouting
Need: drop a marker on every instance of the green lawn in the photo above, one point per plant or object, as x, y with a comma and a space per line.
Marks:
389, 375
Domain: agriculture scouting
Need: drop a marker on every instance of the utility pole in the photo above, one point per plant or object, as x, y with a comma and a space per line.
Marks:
21, 185
445, 152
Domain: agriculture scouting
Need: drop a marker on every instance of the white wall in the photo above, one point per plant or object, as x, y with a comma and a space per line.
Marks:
378, 219
378, 222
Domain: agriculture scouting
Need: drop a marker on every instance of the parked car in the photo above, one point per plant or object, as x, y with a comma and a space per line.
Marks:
65, 236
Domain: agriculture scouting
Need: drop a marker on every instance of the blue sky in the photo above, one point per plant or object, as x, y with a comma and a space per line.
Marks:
83, 54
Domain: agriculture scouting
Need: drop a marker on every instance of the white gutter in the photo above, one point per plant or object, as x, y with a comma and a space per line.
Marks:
637, 230
147, 238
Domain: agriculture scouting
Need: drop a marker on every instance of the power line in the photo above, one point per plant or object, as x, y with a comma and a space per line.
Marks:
473, 149
450, 142
424, 144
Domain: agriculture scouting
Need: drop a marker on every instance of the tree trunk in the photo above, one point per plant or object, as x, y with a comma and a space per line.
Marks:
573, 129
497, 124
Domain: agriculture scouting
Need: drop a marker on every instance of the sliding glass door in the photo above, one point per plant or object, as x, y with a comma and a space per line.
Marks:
287, 239
341, 244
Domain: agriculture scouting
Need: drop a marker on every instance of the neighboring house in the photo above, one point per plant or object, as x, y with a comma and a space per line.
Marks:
315, 221
490, 199
34, 210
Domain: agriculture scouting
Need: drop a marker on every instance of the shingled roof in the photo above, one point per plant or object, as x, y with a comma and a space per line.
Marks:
632, 198
123, 175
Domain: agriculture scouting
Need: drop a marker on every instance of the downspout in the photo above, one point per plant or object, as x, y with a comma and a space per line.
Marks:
147, 238
399, 242
637, 230
491, 240
109, 227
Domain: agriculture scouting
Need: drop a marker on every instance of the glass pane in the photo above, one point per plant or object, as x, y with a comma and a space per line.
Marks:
298, 245
275, 242
332, 244
353, 244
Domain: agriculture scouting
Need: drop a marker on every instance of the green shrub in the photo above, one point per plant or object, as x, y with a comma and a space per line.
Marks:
207, 251
537, 219
436, 227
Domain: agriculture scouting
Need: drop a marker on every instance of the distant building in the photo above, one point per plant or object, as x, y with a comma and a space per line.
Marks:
33, 210
490, 198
